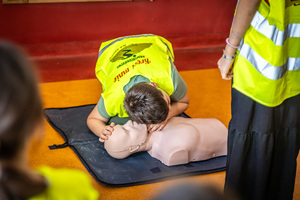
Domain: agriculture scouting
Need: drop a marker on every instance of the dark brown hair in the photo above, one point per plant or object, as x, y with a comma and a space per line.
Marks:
145, 104
20, 113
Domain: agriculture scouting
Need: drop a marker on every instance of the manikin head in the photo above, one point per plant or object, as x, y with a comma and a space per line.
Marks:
126, 139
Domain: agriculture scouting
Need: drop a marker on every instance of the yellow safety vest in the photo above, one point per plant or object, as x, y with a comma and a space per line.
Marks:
123, 58
66, 184
267, 67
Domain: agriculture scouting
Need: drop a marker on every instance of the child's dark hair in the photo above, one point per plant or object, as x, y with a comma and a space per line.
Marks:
20, 113
145, 104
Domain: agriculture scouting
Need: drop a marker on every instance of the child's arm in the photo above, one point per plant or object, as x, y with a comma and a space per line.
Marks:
179, 107
97, 124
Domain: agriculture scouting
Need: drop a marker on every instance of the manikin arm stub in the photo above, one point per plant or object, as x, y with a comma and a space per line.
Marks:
183, 140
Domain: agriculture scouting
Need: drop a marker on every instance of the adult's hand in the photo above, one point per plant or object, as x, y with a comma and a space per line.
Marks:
225, 66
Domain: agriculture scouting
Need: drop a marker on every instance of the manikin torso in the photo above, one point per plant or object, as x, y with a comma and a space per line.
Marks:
183, 140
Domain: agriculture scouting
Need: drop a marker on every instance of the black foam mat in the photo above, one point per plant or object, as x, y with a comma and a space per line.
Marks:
139, 168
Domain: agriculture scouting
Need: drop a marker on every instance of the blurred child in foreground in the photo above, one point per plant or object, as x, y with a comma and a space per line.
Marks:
21, 118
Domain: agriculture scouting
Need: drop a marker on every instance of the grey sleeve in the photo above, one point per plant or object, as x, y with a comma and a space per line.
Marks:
180, 87
101, 109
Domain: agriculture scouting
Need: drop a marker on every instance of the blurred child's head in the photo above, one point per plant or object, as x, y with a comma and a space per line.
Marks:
146, 104
20, 103
191, 191
20, 116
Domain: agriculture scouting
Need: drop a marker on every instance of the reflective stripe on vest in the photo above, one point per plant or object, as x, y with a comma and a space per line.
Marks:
261, 24
267, 68
121, 59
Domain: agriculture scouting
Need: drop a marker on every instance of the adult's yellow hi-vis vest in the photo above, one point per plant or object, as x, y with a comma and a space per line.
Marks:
123, 58
267, 67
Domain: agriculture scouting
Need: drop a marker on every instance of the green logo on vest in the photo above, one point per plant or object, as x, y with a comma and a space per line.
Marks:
129, 51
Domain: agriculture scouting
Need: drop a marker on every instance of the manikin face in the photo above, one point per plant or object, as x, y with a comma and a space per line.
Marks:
135, 133
126, 139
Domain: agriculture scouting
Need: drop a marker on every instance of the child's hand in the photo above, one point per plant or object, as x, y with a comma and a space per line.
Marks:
156, 127
106, 132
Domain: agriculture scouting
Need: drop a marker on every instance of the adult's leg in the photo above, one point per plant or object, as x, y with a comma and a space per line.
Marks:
255, 144
286, 149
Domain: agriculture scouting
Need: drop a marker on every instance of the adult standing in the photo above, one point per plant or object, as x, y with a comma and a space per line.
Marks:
264, 132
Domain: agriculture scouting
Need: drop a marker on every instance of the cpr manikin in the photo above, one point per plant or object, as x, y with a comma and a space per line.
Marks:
183, 140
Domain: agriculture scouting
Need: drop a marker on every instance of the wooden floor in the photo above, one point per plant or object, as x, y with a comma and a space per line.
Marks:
209, 95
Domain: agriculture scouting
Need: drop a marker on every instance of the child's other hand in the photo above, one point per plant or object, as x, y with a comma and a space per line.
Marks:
156, 127
106, 132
